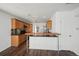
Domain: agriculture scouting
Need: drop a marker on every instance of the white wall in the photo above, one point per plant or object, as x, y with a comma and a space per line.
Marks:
69, 30
5, 30
55, 23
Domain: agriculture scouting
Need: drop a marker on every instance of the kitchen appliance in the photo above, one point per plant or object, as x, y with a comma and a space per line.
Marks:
17, 31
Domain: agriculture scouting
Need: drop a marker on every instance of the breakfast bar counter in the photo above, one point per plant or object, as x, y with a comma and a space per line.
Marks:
43, 34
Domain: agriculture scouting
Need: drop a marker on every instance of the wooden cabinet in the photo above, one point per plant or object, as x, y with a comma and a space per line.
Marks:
49, 24
28, 28
17, 40
16, 23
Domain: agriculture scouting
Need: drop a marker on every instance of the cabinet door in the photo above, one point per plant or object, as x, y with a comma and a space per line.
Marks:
19, 24
13, 23
21, 39
16, 23
14, 41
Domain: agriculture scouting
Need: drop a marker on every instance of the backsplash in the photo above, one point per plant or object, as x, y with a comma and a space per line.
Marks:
17, 31
39, 27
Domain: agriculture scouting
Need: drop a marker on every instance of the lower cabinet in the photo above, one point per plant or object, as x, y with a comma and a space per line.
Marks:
17, 40
44, 43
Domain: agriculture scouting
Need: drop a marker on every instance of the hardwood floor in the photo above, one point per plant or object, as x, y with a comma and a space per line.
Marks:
15, 51
23, 51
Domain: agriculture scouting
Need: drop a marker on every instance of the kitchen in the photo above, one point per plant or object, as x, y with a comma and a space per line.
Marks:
52, 32
35, 33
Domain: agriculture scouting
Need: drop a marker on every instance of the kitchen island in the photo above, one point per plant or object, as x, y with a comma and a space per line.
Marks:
43, 41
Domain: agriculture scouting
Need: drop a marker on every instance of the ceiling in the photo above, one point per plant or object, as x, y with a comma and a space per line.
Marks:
36, 12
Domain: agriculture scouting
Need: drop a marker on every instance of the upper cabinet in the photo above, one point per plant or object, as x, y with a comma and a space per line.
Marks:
28, 28
49, 24
17, 24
